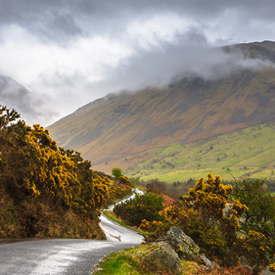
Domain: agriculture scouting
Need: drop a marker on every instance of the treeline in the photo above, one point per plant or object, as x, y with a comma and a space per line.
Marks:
173, 190
46, 191
231, 224
179, 188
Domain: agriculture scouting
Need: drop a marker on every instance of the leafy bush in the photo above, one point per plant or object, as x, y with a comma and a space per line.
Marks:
253, 248
142, 207
258, 223
261, 208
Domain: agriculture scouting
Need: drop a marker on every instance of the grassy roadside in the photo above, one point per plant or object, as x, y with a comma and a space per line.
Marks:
112, 216
126, 197
127, 262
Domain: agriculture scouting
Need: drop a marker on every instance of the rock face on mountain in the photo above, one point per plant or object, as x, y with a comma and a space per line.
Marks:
115, 130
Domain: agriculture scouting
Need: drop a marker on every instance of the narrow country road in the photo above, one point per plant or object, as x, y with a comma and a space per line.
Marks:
63, 256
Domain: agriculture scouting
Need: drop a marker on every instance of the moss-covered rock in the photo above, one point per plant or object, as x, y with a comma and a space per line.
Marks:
183, 245
161, 258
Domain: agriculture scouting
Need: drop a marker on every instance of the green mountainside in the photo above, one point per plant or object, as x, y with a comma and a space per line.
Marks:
247, 152
143, 132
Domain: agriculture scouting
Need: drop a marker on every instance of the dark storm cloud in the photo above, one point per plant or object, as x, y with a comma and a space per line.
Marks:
62, 20
78, 50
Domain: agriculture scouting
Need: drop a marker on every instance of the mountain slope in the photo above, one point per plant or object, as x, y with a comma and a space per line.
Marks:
247, 152
112, 129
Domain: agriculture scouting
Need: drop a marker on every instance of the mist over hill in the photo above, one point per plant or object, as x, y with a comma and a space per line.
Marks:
30, 105
124, 129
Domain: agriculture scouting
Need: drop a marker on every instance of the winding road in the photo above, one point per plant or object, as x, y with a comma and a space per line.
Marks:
63, 256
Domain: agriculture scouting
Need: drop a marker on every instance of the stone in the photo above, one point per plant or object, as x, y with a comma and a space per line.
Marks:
161, 259
183, 245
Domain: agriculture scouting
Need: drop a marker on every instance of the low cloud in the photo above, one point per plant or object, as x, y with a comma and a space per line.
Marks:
192, 55
69, 53
149, 68
30, 106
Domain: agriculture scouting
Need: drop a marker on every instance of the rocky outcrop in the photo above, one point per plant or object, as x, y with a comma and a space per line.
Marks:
161, 258
183, 245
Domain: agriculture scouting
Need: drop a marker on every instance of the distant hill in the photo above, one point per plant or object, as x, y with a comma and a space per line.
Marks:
126, 129
15, 96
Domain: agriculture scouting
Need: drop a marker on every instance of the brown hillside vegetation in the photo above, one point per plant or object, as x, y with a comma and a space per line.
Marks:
115, 130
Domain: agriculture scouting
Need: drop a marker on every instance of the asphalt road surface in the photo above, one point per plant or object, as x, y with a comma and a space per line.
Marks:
63, 256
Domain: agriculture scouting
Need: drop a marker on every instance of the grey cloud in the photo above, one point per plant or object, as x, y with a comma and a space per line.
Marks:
68, 92
189, 55
31, 107
159, 68
62, 20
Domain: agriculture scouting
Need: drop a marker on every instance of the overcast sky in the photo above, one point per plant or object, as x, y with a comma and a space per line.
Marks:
71, 52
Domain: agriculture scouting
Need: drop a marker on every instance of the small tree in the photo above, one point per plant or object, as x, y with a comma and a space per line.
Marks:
116, 172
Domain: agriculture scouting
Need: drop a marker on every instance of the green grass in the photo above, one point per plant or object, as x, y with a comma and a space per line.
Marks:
126, 197
248, 152
120, 263
127, 262
112, 216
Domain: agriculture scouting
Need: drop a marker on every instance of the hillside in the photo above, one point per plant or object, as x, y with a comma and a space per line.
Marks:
247, 152
126, 129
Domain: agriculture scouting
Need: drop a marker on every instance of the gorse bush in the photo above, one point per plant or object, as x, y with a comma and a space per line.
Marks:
121, 188
202, 215
228, 223
35, 173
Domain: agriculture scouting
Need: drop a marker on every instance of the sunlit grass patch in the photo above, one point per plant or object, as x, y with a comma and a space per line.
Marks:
112, 216
247, 152
121, 263
127, 262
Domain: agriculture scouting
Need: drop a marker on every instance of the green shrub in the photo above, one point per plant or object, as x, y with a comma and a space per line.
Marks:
145, 206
